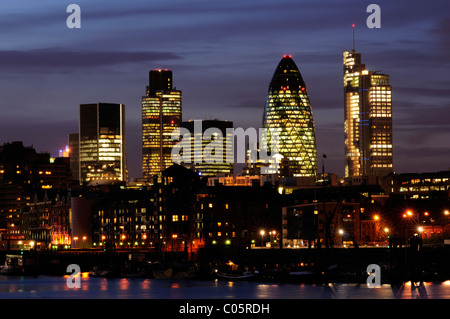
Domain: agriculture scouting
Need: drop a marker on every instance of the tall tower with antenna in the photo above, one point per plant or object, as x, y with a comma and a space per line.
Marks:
368, 119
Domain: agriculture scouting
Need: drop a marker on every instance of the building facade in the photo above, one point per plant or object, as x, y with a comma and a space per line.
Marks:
288, 110
418, 185
102, 143
23, 173
158, 218
213, 141
74, 155
368, 119
161, 115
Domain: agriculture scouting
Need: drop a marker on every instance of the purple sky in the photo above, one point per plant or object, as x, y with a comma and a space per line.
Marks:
223, 55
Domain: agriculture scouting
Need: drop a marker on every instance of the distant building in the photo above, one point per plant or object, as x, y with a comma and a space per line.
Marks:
158, 217
288, 109
213, 145
161, 115
304, 224
239, 217
275, 164
254, 180
74, 155
23, 173
368, 120
46, 222
418, 185
102, 143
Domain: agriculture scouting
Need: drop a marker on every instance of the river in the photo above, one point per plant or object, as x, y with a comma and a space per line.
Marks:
52, 287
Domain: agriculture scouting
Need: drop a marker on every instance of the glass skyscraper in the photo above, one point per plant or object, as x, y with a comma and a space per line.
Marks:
288, 109
368, 119
214, 142
102, 143
161, 114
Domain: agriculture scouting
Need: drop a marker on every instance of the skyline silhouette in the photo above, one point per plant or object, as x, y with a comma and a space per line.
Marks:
222, 55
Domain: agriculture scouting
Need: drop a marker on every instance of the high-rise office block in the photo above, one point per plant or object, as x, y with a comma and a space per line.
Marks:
368, 120
74, 155
214, 143
161, 114
288, 109
102, 143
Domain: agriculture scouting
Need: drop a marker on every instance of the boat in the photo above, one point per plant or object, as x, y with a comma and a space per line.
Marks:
104, 273
163, 273
246, 275
13, 265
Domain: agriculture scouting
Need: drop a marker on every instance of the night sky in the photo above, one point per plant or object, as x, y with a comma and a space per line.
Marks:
223, 55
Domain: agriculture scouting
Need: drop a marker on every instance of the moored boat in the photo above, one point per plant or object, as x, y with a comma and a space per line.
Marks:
13, 265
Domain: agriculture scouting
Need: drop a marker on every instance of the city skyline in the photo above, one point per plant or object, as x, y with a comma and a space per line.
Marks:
224, 52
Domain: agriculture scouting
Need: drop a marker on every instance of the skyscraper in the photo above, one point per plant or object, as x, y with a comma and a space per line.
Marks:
216, 147
368, 119
102, 143
74, 154
161, 114
288, 109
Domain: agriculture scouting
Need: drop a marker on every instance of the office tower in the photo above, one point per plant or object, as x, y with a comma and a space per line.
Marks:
214, 143
368, 119
288, 109
74, 155
161, 114
102, 143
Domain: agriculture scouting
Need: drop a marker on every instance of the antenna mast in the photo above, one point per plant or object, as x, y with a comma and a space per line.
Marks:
353, 26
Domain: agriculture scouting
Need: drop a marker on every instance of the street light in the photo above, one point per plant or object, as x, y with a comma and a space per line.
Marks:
341, 232
262, 233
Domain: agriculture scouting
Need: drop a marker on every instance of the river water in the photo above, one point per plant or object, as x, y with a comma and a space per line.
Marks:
47, 287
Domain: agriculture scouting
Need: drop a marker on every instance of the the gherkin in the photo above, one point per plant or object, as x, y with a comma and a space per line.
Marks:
288, 109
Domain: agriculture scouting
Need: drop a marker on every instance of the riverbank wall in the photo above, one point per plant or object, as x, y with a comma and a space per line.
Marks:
339, 264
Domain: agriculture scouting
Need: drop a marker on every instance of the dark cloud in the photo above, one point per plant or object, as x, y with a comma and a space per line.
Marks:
425, 91
421, 159
425, 116
58, 59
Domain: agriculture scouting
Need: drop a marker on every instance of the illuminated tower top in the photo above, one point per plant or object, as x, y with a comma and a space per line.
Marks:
159, 80
288, 109
287, 76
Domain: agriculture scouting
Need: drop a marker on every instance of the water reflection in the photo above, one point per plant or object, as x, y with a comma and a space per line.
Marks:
135, 288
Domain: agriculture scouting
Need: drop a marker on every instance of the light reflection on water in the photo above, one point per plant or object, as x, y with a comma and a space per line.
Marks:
133, 288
